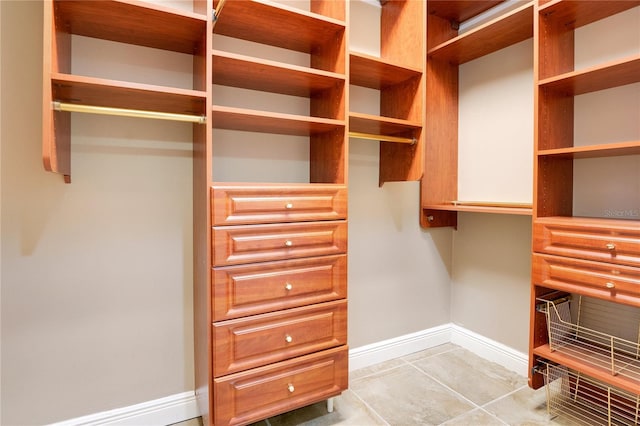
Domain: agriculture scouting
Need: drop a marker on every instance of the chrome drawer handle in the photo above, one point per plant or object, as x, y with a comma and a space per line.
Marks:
288, 287
290, 388
610, 246
610, 285
288, 243
288, 206
288, 339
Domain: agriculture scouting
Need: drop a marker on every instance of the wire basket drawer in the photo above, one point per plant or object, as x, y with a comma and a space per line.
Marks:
582, 400
602, 334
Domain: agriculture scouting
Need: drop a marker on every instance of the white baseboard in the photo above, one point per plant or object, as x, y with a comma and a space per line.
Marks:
385, 350
162, 411
181, 407
491, 350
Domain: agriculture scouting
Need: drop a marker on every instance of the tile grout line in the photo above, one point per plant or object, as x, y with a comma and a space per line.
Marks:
369, 407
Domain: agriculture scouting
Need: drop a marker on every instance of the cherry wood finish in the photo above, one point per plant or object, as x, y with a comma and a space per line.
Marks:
250, 342
248, 204
597, 257
253, 289
446, 50
259, 393
260, 243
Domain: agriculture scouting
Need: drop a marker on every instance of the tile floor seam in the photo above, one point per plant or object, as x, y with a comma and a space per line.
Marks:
373, 411
504, 396
380, 371
462, 415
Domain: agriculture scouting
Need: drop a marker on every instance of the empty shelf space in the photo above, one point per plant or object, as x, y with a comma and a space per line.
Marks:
278, 25
373, 124
230, 69
118, 94
376, 73
606, 76
511, 28
523, 209
594, 151
134, 22
575, 14
271, 122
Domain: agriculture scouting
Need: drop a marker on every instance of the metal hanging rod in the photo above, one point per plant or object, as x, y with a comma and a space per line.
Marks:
123, 112
382, 138
216, 11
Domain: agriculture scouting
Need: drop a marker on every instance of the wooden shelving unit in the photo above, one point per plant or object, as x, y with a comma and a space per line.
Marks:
598, 257
446, 50
399, 76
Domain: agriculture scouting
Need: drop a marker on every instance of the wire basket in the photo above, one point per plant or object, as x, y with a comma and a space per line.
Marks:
582, 400
571, 332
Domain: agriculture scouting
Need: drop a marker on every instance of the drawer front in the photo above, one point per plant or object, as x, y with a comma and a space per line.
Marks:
263, 339
264, 392
614, 241
244, 204
606, 281
245, 290
235, 245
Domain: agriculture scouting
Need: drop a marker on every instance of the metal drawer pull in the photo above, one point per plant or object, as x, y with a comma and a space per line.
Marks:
288, 243
291, 388
610, 246
288, 287
288, 206
288, 339
610, 285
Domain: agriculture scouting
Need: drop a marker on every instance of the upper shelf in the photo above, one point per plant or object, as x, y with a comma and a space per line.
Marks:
378, 125
460, 11
376, 73
575, 14
121, 94
277, 25
510, 28
522, 209
606, 76
230, 69
594, 151
133, 22
271, 122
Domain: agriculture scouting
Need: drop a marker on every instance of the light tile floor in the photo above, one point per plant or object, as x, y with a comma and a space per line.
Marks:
445, 385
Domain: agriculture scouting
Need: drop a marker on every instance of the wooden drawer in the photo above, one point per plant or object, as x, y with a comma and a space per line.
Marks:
615, 241
256, 394
245, 290
617, 283
249, 204
261, 243
254, 341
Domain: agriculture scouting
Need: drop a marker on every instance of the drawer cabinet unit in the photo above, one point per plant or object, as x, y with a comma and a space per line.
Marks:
278, 298
256, 394
259, 288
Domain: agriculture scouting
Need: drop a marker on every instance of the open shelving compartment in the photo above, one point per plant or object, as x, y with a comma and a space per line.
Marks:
398, 75
129, 22
319, 36
447, 49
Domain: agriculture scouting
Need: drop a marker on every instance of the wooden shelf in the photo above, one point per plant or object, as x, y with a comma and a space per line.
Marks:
376, 73
246, 72
121, 94
577, 363
460, 11
575, 14
374, 124
594, 151
606, 76
269, 23
478, 207
271, 122
133, 22
511, 28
